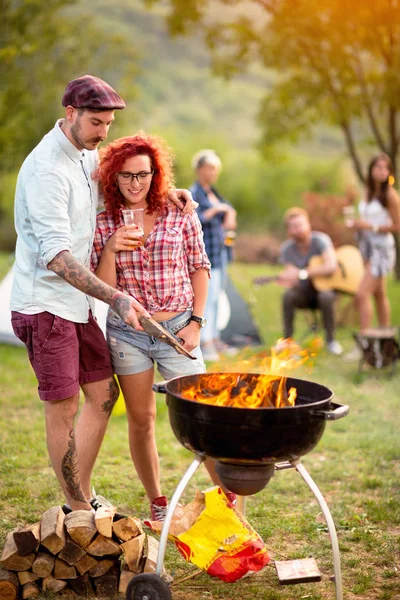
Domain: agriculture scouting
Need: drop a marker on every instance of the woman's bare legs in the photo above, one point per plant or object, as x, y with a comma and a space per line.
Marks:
141, 413
382, 302
363, 299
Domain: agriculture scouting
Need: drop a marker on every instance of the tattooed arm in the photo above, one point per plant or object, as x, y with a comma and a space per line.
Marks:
76, 274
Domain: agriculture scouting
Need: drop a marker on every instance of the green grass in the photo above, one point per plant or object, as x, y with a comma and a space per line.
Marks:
356, 466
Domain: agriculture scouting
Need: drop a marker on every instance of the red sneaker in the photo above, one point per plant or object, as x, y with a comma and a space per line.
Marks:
231, 497
159, 508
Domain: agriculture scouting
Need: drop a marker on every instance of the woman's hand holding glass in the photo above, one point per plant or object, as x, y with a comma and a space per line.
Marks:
128, 237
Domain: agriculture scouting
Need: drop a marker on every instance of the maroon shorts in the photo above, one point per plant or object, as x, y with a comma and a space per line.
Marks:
63, 354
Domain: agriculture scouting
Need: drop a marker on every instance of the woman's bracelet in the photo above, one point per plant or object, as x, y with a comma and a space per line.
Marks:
375, 228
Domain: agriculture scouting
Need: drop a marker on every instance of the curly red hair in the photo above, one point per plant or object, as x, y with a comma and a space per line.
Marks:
112, 159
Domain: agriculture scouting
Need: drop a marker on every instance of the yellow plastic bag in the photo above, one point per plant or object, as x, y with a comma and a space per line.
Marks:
219, 540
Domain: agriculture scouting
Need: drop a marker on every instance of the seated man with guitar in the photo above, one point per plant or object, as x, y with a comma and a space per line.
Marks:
306, 255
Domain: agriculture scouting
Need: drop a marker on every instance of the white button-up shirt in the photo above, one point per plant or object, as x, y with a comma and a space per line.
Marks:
55, 209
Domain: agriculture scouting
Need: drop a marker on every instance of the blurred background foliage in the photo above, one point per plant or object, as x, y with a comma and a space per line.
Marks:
275, 141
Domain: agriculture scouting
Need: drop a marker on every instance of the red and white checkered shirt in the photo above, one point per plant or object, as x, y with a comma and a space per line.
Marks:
158, 274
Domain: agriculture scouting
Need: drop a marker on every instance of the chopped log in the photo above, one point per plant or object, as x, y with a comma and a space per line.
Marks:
30, 590
107, 585
71, 552
43, 564
102, 546
127, 528
52, 534
102, 567
27, 539
80, 526
150, 555
82, 586
64, 571
85, 564
133, 551
11, 560
104, 519
27, 577
50, 584
124, 579
9, 585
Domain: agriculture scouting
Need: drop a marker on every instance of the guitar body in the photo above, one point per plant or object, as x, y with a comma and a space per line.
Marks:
348, 275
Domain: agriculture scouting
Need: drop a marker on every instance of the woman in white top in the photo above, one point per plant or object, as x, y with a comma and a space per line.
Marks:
379, 220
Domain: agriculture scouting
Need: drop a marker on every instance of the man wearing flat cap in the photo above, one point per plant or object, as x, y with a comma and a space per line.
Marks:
52, 296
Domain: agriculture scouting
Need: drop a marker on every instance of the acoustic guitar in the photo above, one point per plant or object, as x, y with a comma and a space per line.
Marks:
346, 278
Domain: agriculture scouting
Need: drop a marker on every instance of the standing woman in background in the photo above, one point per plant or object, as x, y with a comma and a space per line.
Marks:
379, 220
217, 218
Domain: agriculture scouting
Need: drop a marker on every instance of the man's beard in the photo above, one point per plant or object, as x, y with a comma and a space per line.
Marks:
75, 131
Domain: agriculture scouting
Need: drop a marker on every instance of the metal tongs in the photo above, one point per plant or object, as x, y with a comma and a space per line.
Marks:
151, 327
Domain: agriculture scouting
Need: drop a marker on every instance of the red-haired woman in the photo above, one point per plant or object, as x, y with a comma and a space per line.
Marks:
380, 218
168, 275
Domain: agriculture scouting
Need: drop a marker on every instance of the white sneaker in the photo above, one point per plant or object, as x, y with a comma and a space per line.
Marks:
353, 355
334, 347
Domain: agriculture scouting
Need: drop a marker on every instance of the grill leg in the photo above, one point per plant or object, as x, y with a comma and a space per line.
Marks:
331, 526
171, 509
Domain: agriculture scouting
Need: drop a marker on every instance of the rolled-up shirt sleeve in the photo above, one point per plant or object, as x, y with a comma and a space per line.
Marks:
193, 239
47, 197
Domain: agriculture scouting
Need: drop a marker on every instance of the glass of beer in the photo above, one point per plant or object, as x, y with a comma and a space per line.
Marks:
135, 216
230, 237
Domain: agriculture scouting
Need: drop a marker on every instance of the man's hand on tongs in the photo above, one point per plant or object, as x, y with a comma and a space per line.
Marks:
151, 327
129, 309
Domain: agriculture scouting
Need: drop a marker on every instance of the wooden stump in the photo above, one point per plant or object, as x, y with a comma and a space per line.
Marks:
9, 585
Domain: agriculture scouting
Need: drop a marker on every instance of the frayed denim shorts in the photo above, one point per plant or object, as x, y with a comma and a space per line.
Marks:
135, 351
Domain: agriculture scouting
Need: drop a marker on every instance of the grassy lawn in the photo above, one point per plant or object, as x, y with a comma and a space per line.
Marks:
356, 466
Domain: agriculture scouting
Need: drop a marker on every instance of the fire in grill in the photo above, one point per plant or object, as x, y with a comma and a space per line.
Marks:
241, 391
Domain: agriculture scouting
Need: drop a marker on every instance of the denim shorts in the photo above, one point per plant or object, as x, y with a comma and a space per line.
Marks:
135, 351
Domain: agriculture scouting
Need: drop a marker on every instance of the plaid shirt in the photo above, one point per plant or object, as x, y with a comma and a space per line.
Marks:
214, 233
158, 274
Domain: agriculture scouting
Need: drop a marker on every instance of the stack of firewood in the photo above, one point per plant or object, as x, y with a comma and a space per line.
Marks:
94, 554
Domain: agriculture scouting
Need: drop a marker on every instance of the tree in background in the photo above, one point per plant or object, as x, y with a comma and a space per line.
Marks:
42, 46
336, 61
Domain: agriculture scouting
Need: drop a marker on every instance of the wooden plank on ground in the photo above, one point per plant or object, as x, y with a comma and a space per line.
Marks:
133, 551
104, 519
27, 539
64, 571
127, 528
11, 560
43, 564
30, 590
52, 533
102, 546
80, 526
71, 552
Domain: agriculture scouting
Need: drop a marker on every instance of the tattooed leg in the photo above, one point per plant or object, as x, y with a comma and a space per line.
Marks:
91, 425
60, 416
70, 471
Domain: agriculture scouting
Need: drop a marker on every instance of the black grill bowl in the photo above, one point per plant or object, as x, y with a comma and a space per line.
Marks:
250, 435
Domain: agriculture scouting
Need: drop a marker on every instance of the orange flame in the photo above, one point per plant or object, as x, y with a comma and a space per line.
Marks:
253, 390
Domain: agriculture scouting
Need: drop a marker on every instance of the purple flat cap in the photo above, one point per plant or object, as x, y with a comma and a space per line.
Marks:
91, 92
